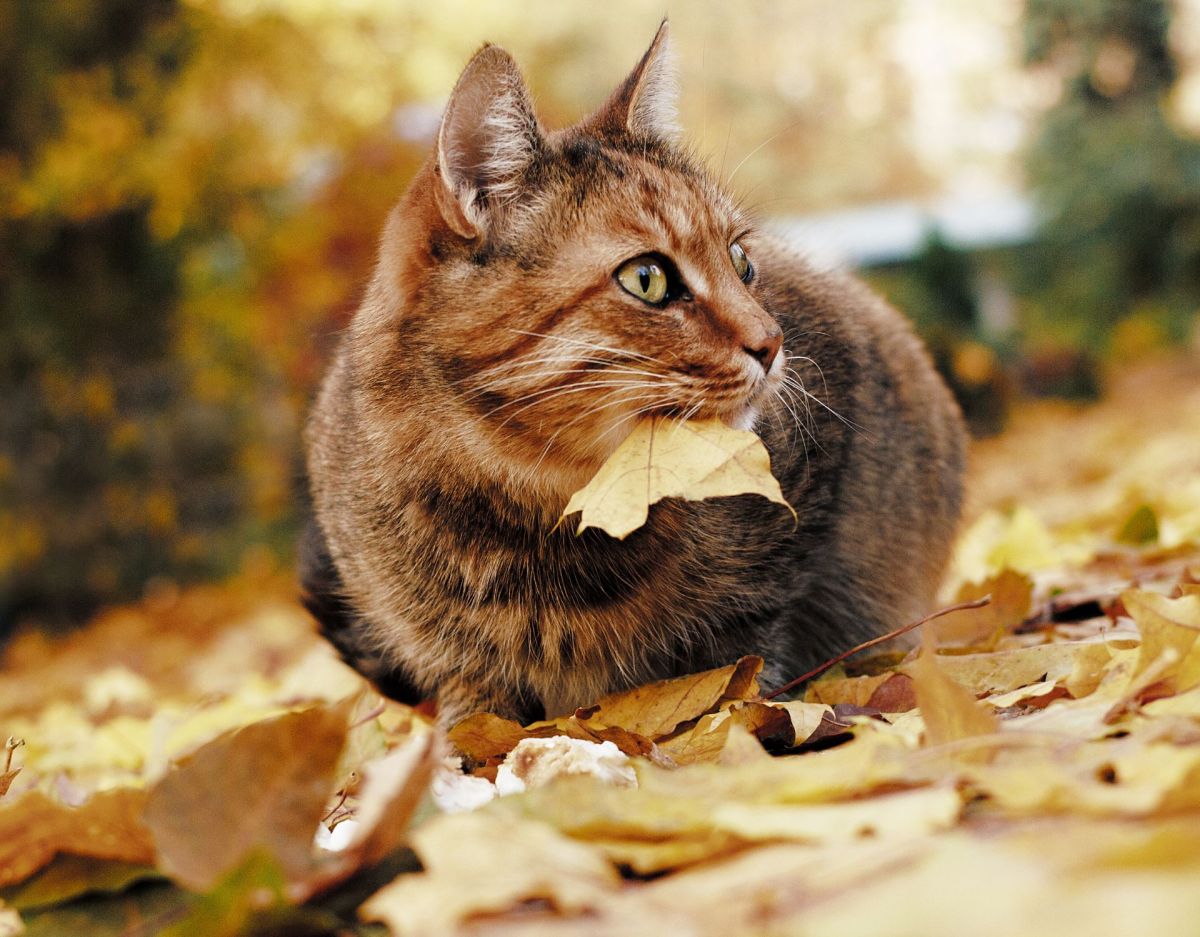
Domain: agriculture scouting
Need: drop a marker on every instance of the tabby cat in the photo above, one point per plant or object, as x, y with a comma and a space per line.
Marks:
537, 292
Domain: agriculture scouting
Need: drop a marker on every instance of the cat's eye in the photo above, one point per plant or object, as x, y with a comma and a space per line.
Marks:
741, 263
645, 278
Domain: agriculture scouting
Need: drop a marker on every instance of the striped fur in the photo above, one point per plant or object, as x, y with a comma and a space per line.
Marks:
496, 362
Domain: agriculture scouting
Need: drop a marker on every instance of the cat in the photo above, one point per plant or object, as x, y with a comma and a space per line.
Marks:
536, 292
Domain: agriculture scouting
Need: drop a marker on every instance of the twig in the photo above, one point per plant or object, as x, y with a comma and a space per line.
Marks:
961, 606
11, 746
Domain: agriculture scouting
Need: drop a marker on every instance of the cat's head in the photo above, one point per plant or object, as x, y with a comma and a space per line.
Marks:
561, 284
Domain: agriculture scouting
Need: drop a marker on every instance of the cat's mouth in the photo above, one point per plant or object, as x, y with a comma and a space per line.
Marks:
739, 408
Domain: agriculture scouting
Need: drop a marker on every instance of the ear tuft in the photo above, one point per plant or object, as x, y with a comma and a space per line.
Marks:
644, 105
488, 137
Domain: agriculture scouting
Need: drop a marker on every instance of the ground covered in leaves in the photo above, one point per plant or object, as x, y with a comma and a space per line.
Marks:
200, 764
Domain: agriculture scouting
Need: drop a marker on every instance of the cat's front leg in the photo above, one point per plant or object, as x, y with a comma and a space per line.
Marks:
458, 698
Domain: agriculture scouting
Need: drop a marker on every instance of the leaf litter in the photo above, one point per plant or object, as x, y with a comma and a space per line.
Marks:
1034, 768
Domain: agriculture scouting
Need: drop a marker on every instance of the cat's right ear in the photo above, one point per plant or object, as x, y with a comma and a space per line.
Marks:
488, 137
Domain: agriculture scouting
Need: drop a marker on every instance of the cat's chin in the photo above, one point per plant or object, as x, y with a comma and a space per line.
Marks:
743, 418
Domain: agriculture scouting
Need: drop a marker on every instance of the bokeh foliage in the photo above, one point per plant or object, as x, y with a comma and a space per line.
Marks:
1117, 180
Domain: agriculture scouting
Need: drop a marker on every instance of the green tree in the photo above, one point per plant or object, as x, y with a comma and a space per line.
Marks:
1118, 185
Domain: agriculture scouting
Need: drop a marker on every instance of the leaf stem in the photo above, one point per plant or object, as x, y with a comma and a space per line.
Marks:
961, 606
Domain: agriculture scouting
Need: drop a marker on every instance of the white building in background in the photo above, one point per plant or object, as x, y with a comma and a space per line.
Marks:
896, 232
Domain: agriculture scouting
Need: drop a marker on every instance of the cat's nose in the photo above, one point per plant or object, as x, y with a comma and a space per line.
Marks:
766, 348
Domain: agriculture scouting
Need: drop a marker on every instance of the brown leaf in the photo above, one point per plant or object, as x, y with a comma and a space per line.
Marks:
1012, 598
390, 794
483, 738
34, 829
895, 695
950, 711
260, 787
658, 709
484, 735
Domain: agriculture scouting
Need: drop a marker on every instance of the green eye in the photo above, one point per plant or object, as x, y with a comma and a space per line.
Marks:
645, 278
741, 263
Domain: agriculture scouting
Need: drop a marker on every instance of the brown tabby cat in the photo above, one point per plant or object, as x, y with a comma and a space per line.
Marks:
536, 293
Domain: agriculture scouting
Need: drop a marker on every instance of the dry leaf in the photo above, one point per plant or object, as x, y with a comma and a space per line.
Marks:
485, 863
261, 787
1012, 599
391, 791
34, 829
1007, 670
664, 458
658, 709
1167, 625
949, 710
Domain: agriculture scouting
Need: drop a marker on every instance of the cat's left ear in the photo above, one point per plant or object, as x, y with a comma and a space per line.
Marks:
644, 105
488, 137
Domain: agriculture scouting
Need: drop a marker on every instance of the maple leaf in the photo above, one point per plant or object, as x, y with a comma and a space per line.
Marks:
662, 458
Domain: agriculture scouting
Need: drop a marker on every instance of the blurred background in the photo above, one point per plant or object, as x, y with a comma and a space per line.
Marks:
191, 190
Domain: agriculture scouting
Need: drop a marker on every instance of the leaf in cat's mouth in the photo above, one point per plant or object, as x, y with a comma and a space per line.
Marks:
664, 458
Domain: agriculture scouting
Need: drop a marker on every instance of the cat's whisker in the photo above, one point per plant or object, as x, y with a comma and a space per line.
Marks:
771, 139
510, 372
803, 426
586, 344
550, 393
531, 377
497, 387
821, 403
657, 400
794, 385
820, 370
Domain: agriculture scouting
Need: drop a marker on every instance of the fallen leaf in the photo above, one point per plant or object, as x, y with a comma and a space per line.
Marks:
34, 829
903, 814
262, 787
1167, 625
70, 876
1012, 598
950, 711
662, 458
658, 709
390, 793
1008, 670
1140, 527
506, 862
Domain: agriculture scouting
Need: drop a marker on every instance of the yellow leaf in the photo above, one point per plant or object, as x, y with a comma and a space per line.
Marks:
478, 863
1167, 626
657, 709
1012, 596
949, 710
661, 458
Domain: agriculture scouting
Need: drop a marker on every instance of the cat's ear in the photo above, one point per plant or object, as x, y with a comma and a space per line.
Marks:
488, 137
644, 104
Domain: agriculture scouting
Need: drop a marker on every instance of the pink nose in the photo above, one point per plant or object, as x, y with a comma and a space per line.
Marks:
765, 349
